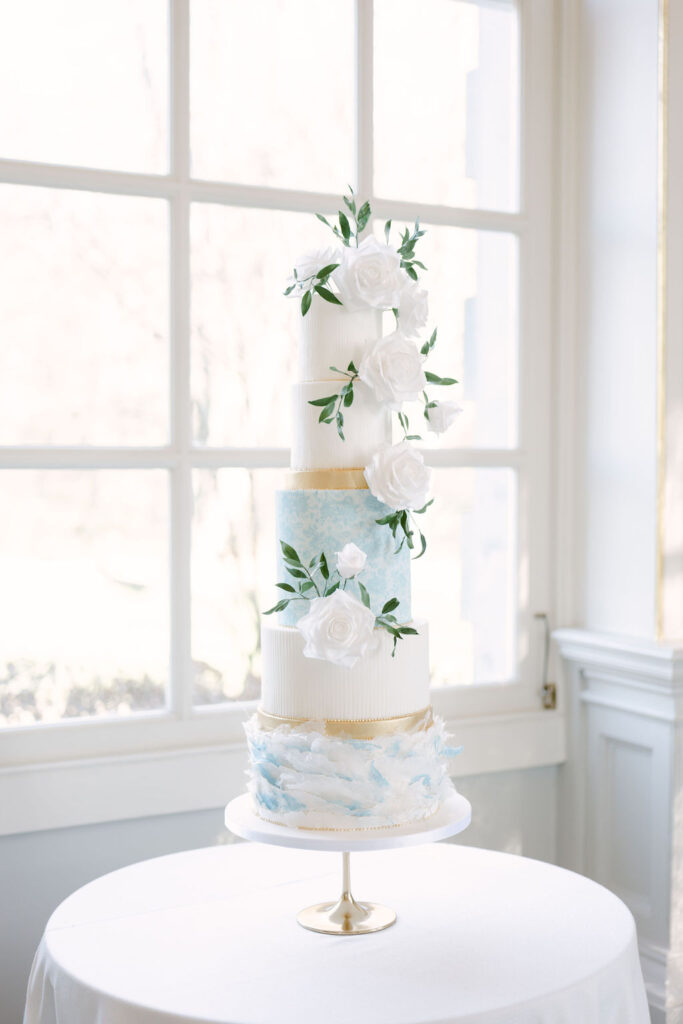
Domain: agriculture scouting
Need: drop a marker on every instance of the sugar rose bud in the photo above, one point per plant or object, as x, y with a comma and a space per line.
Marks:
392, 367
370, 275
314, 260
413, 309
442, 415
338, 629
350, 560
398, 477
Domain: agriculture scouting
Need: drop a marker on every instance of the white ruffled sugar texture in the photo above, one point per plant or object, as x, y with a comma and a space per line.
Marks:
301, 777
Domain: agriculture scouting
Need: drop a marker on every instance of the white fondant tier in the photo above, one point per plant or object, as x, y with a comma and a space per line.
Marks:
367, 427
378, 686
332, 336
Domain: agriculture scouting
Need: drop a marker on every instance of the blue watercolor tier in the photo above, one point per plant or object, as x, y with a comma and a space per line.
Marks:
315, 521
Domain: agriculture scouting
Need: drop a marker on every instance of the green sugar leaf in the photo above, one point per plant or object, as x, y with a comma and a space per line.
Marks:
286, 586
345, 226
419, 511
306, 302
434, 379
390, 605
364, 596
363, 216
323, 401
326, 271
328, 296
289, 552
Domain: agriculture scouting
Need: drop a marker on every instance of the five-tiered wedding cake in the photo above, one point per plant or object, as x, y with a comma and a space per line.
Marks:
345, 737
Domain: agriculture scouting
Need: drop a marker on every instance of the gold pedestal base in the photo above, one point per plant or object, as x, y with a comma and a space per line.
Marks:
346, 917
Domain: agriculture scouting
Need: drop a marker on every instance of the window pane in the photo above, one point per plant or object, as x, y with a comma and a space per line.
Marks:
466, 583
472, 282
85, 83
244, 332
84, 309
446, 102
233, 579
272, 92
83, 593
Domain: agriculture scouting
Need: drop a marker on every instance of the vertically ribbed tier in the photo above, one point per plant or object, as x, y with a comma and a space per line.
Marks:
378, 686
367, 427
331, 336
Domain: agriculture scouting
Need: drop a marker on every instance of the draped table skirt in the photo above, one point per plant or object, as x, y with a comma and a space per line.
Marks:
211, 936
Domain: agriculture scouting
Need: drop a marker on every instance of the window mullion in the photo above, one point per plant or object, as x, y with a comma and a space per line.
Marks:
364, 97
180, 698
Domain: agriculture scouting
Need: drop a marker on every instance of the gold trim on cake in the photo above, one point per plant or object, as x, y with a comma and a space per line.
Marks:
357, 729
326, 480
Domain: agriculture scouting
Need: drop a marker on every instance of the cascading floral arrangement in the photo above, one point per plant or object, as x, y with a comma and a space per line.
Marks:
369, 274
373, 274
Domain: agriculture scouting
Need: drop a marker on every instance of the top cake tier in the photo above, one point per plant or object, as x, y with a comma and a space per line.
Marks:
332, 336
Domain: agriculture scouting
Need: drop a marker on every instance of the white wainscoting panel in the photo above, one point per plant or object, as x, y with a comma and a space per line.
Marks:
621, 791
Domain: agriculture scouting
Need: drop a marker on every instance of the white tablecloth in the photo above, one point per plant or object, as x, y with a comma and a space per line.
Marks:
211, 935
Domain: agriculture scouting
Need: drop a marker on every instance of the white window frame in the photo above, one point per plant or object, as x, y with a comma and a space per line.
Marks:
505, 723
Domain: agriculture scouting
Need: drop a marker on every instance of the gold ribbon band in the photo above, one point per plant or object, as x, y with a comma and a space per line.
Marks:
365, 729
326, 480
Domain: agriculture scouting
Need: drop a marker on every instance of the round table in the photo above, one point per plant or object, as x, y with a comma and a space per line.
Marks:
211, 936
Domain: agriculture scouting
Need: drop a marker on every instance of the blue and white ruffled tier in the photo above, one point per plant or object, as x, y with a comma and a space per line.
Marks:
303, 777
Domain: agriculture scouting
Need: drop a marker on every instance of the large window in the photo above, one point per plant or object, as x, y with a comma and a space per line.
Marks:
159, 167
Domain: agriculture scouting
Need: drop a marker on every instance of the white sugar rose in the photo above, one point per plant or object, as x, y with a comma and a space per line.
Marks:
338, 629
398, 477
442, 415
350, 561
369, 275
413, 309
392, 367
313, 261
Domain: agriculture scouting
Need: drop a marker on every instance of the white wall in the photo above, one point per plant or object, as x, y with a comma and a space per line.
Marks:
514, 811
617, 316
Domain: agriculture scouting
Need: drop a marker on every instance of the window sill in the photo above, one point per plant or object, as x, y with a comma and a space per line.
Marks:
141, 783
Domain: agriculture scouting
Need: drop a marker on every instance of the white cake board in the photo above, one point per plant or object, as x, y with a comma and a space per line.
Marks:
452, 817
346, 916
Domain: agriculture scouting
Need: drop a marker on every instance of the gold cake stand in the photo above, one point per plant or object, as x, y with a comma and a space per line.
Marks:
347, 916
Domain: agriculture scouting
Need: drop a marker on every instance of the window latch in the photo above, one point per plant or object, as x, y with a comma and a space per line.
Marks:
548, 690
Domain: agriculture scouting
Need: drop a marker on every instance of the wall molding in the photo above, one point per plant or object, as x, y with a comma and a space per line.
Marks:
645, 663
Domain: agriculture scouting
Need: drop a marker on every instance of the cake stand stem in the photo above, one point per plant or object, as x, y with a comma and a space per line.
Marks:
346, 875
346, 917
